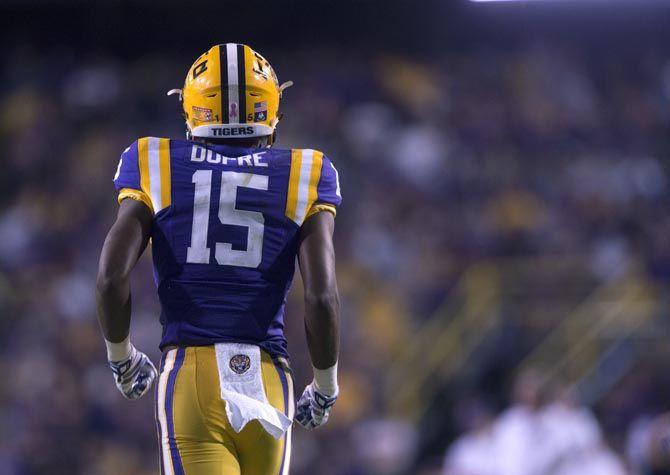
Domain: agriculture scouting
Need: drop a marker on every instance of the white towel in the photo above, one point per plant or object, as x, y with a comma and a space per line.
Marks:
242, 389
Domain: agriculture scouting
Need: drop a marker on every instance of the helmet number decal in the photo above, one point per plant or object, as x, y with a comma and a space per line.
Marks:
199, 69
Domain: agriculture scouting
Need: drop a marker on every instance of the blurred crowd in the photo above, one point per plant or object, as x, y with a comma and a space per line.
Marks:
444, 162
549, 432
533, 436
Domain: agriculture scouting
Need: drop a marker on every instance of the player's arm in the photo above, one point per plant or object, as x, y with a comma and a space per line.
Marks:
125, 243
322, 304
123, 246
322, 317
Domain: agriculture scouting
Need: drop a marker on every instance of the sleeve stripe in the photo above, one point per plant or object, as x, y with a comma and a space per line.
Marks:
314, 177
155, 180
309, 176
303, 185
143, 158
166, 178
155, 174
292, 195
303, 181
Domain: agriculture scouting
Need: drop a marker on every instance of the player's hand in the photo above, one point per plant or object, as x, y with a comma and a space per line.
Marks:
313, 408
134, 375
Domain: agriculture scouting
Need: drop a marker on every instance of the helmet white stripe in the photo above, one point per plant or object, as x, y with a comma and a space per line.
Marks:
233, 82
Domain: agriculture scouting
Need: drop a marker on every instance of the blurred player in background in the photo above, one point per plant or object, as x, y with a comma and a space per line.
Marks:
227, 216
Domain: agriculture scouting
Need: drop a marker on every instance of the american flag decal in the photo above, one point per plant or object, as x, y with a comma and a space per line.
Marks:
202, 114
260, 111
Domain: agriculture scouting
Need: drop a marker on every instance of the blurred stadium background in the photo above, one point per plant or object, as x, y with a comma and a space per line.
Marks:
503, 246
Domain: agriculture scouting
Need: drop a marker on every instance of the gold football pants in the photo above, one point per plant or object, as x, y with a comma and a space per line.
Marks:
194, 434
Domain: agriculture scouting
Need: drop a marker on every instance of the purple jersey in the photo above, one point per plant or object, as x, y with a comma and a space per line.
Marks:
225, 233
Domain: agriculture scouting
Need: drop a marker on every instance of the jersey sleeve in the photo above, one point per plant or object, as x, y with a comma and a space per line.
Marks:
313, 185
328, 196
143, 173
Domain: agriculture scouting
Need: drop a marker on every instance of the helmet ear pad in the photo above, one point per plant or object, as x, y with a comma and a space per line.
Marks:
273, 138
185, 116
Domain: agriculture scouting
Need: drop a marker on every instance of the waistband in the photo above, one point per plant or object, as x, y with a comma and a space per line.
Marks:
281, 361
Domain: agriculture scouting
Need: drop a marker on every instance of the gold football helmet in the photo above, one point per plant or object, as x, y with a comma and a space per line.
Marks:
231, 91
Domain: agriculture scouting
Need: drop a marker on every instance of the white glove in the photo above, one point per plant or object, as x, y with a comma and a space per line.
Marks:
134, 375
313, 408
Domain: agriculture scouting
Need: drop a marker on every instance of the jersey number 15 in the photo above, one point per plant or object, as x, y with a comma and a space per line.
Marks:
225, 255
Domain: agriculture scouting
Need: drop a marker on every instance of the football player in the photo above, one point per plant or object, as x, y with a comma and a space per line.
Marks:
227, 216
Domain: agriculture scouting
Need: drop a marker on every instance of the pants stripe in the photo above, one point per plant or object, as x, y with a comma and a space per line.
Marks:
287, 410
158, 424
291, 415
169, 398
172, 361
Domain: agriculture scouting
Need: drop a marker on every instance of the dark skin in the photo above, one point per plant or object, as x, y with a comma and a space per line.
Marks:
129, 236
125, 243
316, 257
